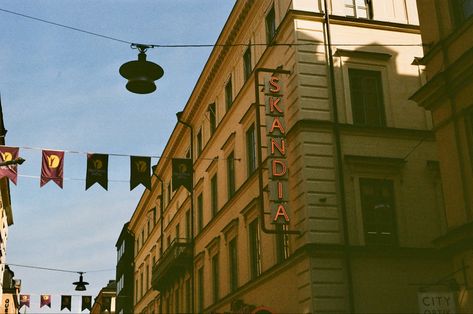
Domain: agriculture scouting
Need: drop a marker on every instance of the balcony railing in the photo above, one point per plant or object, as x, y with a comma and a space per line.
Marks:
176, 260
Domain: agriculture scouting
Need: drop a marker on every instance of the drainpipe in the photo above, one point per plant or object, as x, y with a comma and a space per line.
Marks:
338, 153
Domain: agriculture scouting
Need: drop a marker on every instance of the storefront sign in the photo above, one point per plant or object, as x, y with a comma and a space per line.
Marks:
436, 302
276, 141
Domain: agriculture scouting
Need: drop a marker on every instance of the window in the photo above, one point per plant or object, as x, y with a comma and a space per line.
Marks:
229, 94
359, 8
199, 142
462, 10
469, 132
188, 224
200, 291
177, 231
367, 97
282, 243
188, 296
247, 63
233, 264
377, 202
254, 245
270, 22
215, 278
212, 118
200, 212
147, 277
142, 290
231, 175
214, 195
176, 301
251, 149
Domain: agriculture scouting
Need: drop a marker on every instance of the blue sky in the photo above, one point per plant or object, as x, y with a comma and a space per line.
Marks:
61, 90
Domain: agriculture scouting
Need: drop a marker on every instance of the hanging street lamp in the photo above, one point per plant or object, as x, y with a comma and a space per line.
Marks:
80, 285
141, 73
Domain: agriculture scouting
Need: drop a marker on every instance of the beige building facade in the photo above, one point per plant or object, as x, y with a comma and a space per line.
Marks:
447, 30
357, 174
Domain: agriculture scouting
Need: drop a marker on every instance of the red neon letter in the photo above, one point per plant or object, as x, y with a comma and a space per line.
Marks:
277, 124
273, 104
281, 212
280, 147
273, 81
283, 168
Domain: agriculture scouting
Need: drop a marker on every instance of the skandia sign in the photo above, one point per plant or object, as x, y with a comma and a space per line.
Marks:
276, 139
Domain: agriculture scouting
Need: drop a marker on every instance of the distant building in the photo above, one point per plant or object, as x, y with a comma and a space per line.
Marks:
11, 293
125, 274
447, 32
105, 301
6, 214
335, 153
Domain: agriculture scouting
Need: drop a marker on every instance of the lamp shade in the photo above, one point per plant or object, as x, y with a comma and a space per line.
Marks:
141, 75
80, 285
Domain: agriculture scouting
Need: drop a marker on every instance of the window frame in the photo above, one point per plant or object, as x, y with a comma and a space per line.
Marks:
270, 25
212, 110
247, 64
231, 175
215, 264
214, 194
233, 264
251, 150
356, 9
228, 93
254, 249
376, 240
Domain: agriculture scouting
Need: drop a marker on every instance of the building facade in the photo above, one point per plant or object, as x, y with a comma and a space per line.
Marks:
11, 292
105, 301
315, 182
6, 214
125, 275
447, 29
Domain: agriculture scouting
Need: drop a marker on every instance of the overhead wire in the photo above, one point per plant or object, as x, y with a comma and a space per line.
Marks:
199, 45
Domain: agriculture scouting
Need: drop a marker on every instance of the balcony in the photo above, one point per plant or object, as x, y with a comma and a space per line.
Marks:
176, 260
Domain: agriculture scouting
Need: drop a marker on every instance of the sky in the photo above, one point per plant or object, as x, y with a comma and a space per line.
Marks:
60, 89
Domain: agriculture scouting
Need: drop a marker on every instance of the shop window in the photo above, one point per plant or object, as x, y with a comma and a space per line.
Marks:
359, 8
270, 22
366, 93
377, 202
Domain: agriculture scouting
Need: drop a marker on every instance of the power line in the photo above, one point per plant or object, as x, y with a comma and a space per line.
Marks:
59, 269
202, 45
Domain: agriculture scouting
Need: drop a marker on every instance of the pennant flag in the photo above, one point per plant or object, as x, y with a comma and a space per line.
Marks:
181, 173
106, 304
10, 171
140, 168
66, 302
24, 300
45, 300
52, 167
86, 302
97, 170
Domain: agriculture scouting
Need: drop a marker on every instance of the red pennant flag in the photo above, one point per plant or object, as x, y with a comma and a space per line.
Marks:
24, 300
45, 300
140, 169
10, 171
52, 167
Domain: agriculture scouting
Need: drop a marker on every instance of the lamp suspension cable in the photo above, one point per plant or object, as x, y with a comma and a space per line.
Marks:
146, 46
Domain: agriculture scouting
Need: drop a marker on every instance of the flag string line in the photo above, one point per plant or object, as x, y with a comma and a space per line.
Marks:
109, 154
72, 179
